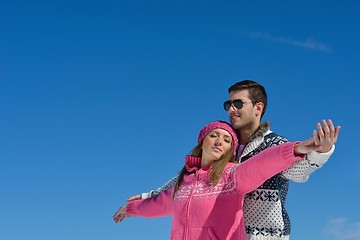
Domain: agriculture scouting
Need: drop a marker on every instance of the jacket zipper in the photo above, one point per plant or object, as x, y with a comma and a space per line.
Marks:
186, 233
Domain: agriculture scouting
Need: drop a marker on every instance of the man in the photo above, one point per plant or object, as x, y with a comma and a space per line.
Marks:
264, 209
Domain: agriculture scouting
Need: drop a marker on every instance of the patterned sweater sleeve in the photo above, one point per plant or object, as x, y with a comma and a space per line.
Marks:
164, 187
301, 170
158, 206
260, 167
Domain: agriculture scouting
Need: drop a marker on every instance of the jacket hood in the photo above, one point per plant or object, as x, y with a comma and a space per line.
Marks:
261, 131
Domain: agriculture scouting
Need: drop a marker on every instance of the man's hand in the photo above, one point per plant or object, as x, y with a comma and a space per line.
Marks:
327, 135
322, 140
136, 197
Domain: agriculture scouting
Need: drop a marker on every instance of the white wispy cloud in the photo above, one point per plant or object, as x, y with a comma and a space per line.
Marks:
342, 229
307, 43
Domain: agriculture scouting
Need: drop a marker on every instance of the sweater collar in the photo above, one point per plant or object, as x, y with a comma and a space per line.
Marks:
192, 163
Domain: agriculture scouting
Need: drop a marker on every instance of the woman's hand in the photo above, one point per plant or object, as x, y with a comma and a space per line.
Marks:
120, 215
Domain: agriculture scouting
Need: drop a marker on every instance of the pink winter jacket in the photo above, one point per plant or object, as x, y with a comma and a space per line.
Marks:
201, 210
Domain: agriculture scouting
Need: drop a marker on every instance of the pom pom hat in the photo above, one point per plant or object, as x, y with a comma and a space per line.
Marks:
222, 125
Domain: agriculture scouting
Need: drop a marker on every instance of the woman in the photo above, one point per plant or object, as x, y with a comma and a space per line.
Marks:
204, 203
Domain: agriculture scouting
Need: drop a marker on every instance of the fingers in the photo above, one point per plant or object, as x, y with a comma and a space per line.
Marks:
331, 128
306, 146
326, 128
337, 130
120, 215
321, 133
136, 197
119, 218
326, 135
316, 138
330, 131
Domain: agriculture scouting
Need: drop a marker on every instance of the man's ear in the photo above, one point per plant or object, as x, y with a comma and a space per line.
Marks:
259, 107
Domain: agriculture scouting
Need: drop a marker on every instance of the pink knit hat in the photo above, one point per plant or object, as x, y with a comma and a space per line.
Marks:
222, 125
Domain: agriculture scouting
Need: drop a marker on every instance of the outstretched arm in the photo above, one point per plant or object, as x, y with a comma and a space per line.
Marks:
327, 135
273, 160
325, 138
120, 215
161, 189
156, 192
158, 206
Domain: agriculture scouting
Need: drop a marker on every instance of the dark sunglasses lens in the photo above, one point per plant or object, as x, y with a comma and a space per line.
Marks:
227, 105
238, 104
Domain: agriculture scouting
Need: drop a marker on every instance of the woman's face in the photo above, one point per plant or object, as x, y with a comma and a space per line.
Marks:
216, 144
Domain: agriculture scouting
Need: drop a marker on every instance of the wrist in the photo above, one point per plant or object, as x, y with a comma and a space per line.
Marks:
298, 149
325, 150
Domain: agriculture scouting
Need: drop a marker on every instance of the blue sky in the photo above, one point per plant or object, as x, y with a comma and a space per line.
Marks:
101, 100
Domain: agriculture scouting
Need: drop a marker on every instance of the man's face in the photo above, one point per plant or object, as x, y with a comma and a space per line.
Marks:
243, 117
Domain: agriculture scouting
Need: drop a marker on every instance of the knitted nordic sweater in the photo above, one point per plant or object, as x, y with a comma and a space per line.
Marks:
265, 215
264, 208
201, 210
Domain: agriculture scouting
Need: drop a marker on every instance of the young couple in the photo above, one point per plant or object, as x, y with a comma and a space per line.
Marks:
235, 182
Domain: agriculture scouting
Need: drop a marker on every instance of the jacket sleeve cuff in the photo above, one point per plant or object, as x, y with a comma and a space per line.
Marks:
131, 208
318, 159
146, 195
289, 150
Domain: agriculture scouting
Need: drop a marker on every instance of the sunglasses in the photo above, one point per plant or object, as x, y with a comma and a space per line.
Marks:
238, 103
